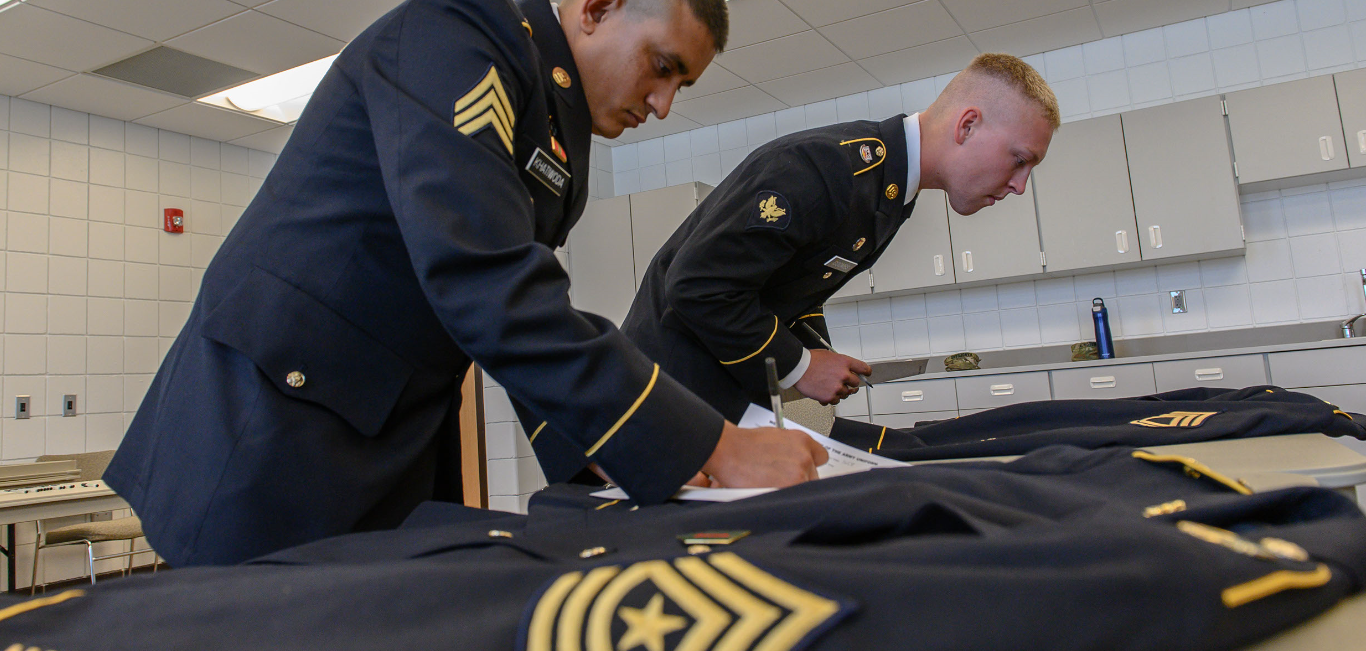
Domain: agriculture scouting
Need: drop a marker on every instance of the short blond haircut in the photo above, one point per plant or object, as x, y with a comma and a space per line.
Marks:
1015, 73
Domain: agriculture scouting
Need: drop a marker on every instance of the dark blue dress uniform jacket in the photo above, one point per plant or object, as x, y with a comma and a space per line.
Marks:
1062, 550
758, 258
406, 230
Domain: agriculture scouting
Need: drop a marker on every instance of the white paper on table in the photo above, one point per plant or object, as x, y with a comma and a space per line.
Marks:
844, 460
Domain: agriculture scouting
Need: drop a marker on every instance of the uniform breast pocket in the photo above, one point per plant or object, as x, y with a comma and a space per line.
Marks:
308, 351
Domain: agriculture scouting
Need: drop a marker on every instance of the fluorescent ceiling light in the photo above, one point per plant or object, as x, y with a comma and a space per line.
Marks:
280, 97
6, 6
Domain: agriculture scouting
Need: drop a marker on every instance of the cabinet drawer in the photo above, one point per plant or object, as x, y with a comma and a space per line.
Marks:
855, 405
1228, 372
1350, 397
1318, 368
904, 421
1101, 382
908, 397
989, 391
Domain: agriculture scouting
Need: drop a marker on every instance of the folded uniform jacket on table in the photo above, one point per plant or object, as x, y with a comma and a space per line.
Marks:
1061, 549
1183, 416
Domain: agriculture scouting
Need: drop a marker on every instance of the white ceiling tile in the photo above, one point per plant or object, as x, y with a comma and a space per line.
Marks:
48, 37
819, 85
257, 42
892, 30
977, 15
727, 106
1125, 16
154, 19
921, 62
18, 76
199, 119
1027, 37
105, 97
1244, 4
755, 21
272, 141
824, 12
714, 79
340, 19
783, 57
658, 129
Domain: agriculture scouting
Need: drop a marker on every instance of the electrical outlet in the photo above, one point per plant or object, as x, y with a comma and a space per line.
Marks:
1179, 302
21, 407
69, 405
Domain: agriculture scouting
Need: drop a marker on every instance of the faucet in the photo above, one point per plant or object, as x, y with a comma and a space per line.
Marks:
1347, 331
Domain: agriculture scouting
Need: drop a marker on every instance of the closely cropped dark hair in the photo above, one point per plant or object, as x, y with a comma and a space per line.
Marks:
713, 15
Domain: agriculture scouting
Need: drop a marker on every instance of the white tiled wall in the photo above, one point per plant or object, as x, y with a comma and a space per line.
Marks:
1305, 245
94, 290
513, 473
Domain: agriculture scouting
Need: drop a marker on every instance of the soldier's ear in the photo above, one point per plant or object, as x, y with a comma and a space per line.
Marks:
592, 13
969, 120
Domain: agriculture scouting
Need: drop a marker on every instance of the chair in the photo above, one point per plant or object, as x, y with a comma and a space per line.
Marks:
91, 466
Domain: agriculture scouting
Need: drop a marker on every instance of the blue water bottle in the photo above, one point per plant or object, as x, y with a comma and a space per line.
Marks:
1104, 345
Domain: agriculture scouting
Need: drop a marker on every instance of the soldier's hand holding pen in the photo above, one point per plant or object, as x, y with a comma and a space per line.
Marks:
831, 377
763, 457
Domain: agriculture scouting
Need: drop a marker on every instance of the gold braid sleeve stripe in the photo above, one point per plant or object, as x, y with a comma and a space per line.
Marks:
19, 609
626, 416
536, 433
761, 348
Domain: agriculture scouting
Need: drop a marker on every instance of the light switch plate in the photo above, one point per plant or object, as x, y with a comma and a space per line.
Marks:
69, 405
22, 407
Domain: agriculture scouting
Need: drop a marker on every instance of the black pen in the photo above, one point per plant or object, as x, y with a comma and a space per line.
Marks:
774, 392
830, 348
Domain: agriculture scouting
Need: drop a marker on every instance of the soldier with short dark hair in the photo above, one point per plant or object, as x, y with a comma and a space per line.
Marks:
406, 230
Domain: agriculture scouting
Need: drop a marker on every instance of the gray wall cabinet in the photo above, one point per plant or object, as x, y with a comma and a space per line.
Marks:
1351, 88
999, 241
1086, 207
601, 260
1285, 130
921, 254
1185, 197
655, 215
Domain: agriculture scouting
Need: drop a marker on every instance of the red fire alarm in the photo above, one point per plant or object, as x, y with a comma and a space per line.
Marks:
175, 220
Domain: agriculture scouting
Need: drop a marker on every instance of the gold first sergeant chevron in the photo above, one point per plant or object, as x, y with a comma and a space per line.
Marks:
486, 105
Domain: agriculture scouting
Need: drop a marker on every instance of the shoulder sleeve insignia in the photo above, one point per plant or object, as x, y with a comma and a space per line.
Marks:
720, 602
486, 106
771, 210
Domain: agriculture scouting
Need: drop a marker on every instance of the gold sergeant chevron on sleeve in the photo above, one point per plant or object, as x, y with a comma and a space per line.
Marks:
486, 105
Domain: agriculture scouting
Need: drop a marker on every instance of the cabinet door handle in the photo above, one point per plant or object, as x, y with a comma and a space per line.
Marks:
912, 396
967, 261
1209, 374
1002, 389
1122, 241
938, 265
1155, 236
1326, 148
1361, 140
1103, 382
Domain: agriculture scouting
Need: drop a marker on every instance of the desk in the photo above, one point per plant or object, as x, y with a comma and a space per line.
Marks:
46, 506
